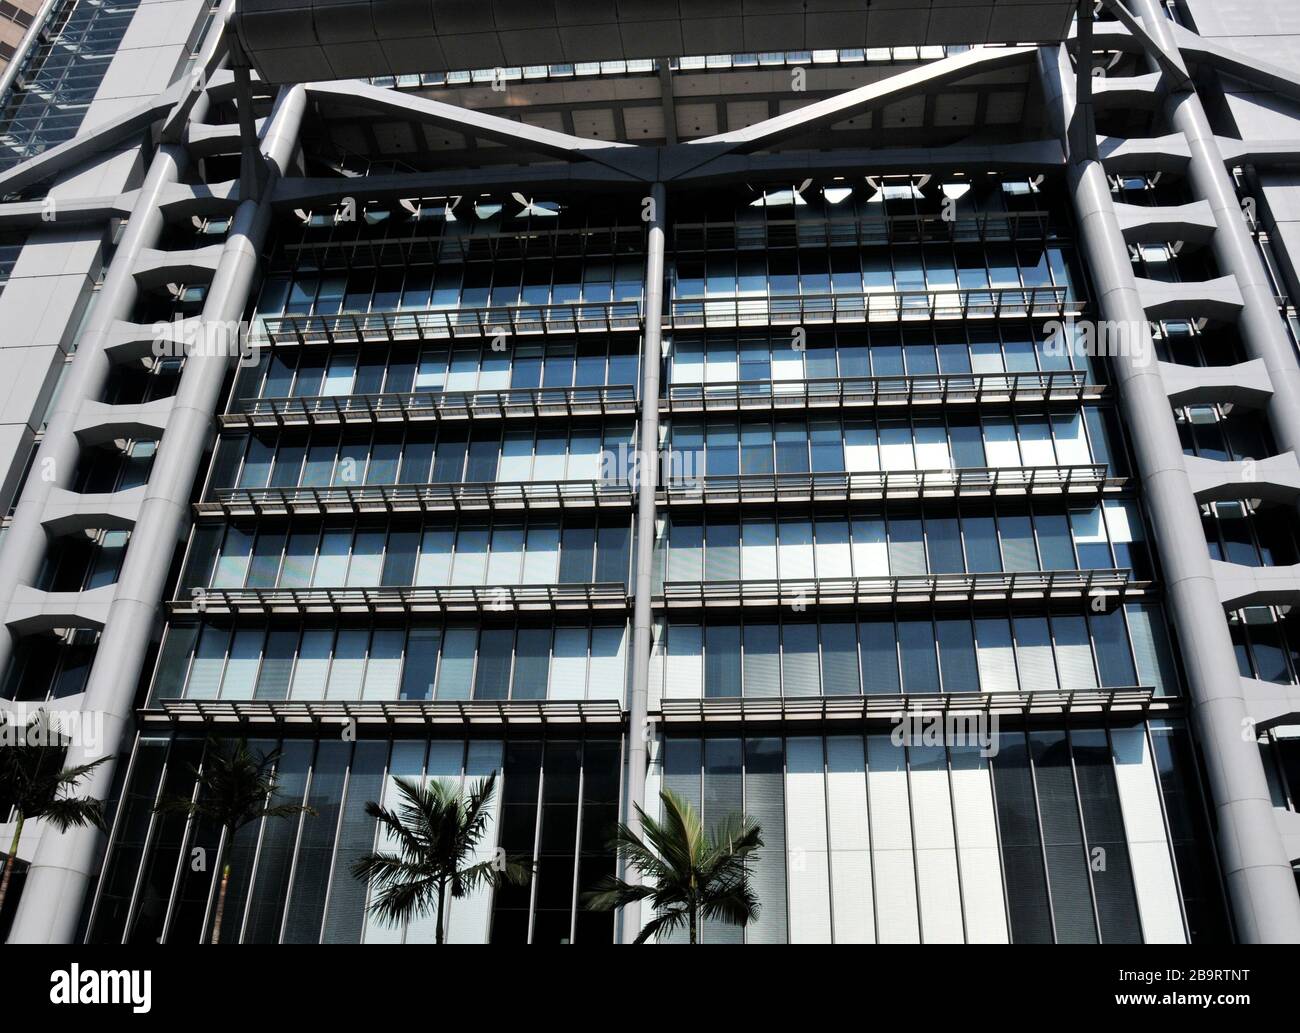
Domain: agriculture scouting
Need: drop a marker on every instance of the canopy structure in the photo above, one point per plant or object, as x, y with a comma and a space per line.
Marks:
306, 40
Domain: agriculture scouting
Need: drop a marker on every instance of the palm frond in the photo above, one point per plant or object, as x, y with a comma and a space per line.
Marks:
70, 812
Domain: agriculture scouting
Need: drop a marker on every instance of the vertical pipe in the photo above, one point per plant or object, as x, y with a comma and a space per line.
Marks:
1256, 868
64, 864
647, 467
1262, 331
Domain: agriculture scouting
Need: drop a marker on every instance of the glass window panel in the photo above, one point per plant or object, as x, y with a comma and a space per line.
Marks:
569, 664
1073, 652
434, 566
1054, 541
349, 664
800, 671
312, 668
796, 550
469, 567
995, 656
384, 667
861, 450
906, 547
208, 664
957, 656
916, 643
722, 660
762, 668
421, 663
1034, 655
1018, 552
367, 559
608, 676
456, 670
685, 671
879, 646
495, 650
1114, 660
532, 663
542, 554
840, 659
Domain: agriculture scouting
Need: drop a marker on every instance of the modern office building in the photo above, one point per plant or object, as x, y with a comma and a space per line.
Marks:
878, 417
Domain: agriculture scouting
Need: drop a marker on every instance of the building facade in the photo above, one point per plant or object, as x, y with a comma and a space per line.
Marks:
879, 420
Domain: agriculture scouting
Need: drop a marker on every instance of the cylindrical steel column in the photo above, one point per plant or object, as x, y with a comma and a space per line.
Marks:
1262, 332
25, 542
639, 729
64, 864
1258, 872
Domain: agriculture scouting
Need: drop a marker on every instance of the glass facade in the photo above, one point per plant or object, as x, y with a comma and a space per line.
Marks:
556, 805
420, 502
918, 587
1047, 835
60, 76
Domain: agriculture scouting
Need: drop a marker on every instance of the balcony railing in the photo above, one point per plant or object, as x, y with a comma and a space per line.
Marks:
386, 712
1070, 386
405, 600
440, 324
942, 303
884, 306
884, 484
416, 498
893, 591
432, 405
896, 707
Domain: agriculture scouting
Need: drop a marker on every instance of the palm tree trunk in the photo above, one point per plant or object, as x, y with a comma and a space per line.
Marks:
10, 861
221, 903
442, 891
695, 921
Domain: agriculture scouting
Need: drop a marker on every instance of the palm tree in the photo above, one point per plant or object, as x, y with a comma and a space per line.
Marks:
34, 781
235, 789
436, 828
686, 873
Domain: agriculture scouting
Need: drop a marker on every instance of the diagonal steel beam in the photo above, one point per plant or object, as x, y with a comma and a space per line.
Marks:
85, 146
1170, 61
216, 49
639, 161
865, 98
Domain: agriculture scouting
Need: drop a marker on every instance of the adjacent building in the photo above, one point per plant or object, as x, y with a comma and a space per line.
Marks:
880, 419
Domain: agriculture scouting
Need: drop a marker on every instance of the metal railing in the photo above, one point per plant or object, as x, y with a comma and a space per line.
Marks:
918, 588
440, 324
385, 712
422, 498
432, 405
406, 599
940, 388
881, 484
885, 306
896, 707
681, 314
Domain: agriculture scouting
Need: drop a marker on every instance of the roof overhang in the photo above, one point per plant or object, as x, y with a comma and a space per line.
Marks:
311, 40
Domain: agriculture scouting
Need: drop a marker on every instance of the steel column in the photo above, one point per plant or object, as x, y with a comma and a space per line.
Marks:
1262, 330
1258, 873
647, 467
25, 543
65, 864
